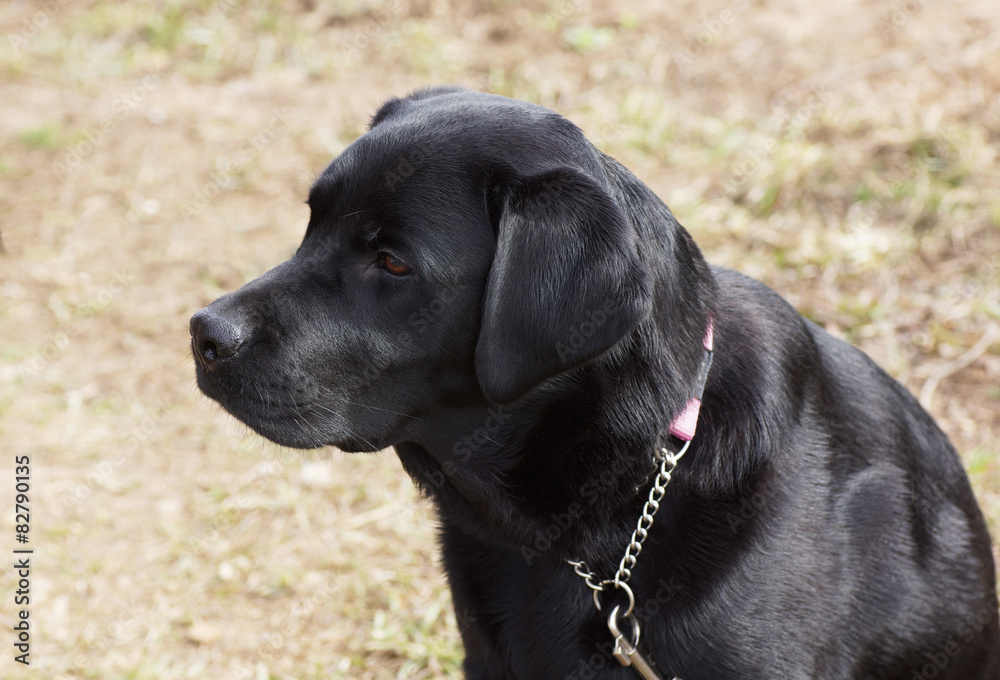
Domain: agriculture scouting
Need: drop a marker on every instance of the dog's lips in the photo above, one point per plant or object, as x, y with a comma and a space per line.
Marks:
353, 445
298, 426
285, 427
295, 431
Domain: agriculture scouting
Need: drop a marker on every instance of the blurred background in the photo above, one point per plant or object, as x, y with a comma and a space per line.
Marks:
154, 155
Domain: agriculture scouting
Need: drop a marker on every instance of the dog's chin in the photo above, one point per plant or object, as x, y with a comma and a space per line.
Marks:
284, 432
298, 433
352, 445
298, 439
295, 429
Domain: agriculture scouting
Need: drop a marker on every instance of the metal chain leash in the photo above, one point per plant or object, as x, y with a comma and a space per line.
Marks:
667, 464
683, 427
625, 651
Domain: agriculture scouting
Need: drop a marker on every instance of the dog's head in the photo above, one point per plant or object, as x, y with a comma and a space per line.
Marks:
465, 250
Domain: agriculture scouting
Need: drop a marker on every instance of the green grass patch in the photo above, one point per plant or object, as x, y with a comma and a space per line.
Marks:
165, 30
586, 38
45, 136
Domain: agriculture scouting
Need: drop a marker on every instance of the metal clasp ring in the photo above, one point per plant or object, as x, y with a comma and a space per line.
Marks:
618, 635
631, 601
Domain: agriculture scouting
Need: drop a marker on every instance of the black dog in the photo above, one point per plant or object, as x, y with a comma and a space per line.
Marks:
525, 322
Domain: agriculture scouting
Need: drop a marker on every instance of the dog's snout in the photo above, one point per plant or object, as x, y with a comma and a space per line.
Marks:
214, 337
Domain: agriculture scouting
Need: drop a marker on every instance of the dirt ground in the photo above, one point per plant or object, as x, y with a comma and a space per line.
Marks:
156, 154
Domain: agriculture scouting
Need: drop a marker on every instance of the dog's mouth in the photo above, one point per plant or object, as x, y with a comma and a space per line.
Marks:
290, 428
298, 426
282, 419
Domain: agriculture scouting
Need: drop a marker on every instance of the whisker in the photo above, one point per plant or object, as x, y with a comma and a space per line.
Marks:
358, 212
328, 392
469, 428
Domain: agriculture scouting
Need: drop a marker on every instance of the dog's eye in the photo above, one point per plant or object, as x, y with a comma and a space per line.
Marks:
393, 264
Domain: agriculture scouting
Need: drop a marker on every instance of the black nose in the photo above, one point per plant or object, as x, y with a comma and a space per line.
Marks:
214, 337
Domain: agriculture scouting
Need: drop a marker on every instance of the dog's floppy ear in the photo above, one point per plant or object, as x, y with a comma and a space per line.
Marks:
565, 286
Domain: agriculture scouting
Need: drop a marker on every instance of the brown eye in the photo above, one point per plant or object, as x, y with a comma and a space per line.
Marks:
393, 265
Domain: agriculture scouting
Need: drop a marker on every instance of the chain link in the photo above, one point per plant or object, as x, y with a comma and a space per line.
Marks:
667, 464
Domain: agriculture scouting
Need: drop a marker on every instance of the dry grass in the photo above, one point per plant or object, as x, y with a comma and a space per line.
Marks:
844, 153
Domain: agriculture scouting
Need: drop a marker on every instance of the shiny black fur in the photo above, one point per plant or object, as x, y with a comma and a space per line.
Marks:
820, 526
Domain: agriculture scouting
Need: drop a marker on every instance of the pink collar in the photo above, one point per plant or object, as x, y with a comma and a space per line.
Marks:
685, 422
